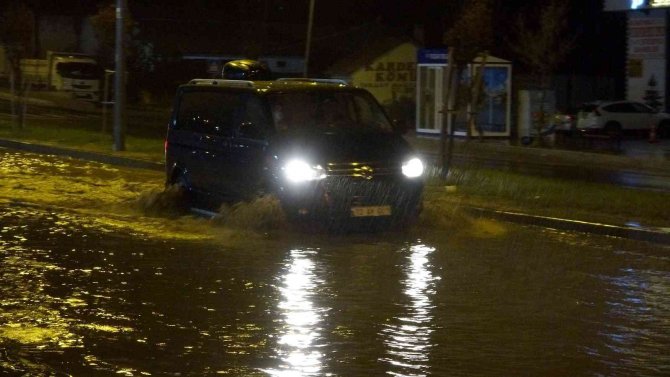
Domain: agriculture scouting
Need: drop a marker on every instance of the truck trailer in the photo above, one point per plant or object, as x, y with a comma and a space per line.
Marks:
76, 73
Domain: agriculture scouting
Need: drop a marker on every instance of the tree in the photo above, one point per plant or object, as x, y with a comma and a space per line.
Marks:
104, 26
470, 36
140, 54
17, 23
542, 43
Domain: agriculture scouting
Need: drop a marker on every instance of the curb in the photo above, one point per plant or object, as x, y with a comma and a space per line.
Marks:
634, 233
82, 155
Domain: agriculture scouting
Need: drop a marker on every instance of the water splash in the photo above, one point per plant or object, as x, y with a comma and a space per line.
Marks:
262, 214
168, 202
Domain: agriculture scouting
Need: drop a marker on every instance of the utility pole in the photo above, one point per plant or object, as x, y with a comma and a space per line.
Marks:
310, 23
120, 79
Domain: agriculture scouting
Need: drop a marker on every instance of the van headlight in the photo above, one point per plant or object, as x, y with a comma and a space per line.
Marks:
413, 168
297, 171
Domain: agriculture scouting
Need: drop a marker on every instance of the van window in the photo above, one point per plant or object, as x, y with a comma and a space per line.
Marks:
369, 114
353, 111
257, 114
209, 112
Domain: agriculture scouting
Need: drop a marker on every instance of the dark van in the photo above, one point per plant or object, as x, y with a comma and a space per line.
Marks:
325, 149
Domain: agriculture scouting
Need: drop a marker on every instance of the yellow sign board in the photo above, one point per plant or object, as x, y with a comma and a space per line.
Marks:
391, 76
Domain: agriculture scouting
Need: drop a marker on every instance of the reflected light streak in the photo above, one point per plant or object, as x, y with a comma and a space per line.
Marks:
301, 319
408, 340
637, 298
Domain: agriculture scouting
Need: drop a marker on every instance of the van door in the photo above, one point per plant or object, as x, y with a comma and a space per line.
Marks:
205, 128
248, 151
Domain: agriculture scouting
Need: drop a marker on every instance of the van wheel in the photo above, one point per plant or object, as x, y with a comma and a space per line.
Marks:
613, 130
180, 189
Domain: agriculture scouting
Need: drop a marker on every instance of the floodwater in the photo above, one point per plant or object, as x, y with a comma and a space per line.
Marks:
92, 289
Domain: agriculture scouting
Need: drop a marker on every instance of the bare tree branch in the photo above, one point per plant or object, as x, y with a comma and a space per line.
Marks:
542, 43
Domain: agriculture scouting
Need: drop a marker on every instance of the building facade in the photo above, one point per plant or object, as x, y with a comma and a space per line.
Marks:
647, 49
388, 71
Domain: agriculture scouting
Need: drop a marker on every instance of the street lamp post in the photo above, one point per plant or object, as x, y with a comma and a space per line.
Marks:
120, 79
105, 99
310, 23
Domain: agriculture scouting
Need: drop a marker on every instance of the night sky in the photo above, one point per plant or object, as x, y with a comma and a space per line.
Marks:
599, 35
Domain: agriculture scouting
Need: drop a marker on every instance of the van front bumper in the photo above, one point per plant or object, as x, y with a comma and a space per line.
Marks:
390, 199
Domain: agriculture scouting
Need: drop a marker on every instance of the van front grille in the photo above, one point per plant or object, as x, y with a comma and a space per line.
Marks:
362, 170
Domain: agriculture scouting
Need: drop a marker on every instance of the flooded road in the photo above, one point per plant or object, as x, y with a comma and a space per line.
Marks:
92, 288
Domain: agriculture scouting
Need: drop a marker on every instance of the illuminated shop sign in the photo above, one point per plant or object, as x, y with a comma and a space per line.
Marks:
615, 5
640, 4
656, 3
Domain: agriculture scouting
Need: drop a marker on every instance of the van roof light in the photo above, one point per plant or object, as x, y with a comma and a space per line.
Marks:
314, 80
229, 83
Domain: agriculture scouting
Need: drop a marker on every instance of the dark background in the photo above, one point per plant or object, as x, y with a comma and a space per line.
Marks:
600, 47
344, 30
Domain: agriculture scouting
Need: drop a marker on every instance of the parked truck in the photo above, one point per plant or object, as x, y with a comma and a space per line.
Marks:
76, 73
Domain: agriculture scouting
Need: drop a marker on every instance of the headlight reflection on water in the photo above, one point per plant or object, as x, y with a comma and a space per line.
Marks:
297, 348
408, 339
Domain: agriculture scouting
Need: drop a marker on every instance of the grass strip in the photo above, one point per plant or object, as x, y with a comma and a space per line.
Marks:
83, 135
552, 197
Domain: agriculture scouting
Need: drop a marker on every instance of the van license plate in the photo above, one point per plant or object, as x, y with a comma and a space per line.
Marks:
370, 211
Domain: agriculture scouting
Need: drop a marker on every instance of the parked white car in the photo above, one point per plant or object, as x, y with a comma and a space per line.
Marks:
615, 117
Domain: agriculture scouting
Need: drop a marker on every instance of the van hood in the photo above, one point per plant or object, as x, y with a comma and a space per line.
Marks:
341, 146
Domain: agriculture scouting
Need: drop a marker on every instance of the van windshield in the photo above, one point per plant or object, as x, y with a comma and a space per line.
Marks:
352, 111
79, 70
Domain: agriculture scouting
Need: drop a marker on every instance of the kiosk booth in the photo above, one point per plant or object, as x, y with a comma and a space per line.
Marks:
494, 112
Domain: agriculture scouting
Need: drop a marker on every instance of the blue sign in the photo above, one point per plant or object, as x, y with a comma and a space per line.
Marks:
432, 56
